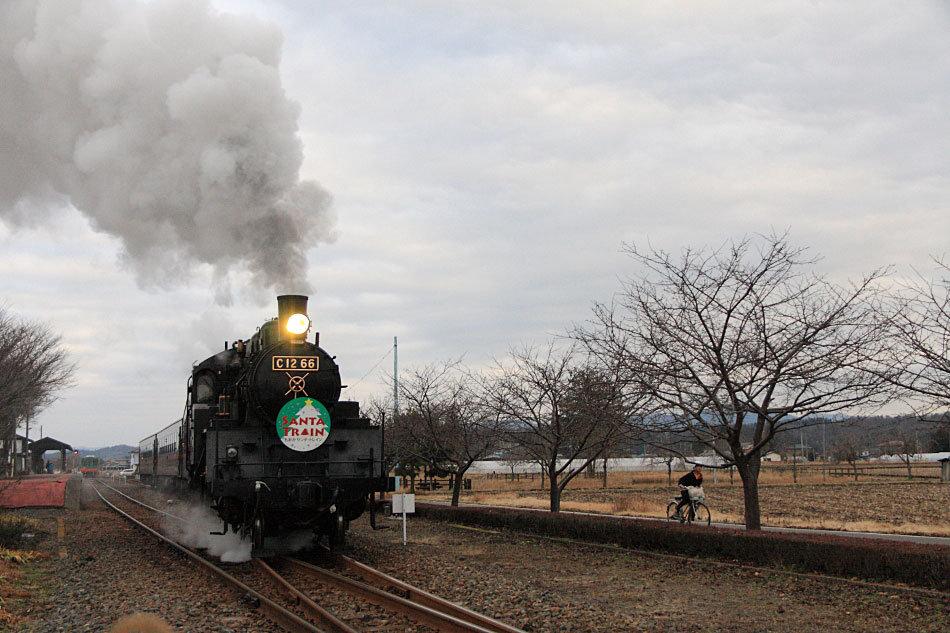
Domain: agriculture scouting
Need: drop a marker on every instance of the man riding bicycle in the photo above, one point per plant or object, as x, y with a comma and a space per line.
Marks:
690, 479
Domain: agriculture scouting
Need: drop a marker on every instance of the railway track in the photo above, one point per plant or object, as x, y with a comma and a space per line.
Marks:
363, 596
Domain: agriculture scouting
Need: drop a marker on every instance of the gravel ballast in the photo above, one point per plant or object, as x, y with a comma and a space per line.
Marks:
111, 569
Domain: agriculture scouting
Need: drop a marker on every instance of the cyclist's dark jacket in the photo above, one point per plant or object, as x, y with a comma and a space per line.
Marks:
691, 479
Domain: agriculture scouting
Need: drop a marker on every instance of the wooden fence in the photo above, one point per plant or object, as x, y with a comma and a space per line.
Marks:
886, 471
436, 483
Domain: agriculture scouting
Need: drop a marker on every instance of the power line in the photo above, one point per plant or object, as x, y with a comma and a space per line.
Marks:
372, 369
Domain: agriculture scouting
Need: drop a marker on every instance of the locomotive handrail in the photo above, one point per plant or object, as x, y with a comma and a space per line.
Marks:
219, 469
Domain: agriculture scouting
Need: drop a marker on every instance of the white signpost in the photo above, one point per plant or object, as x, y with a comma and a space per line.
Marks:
404, 504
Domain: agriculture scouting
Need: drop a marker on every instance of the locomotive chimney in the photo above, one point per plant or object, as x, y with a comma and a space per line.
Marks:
292, 317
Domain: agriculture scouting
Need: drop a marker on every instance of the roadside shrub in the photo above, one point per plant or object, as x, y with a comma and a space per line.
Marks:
911, 563
11, 529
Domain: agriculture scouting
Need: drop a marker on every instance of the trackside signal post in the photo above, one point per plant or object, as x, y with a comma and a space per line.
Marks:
404, 504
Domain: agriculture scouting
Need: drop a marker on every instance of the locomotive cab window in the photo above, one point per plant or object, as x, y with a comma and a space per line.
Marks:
204, 389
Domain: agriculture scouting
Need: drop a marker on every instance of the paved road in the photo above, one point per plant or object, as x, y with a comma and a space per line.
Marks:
907, 538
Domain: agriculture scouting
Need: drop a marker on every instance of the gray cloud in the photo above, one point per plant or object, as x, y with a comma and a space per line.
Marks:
489, 158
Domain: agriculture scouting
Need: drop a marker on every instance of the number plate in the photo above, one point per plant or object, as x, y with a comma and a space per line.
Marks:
295, 363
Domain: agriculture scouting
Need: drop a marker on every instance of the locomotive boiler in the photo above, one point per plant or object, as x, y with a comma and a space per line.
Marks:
267, 441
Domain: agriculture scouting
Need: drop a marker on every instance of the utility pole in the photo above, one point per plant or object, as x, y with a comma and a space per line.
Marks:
399, 484
794, 465
824, 451
26, 447
395, 377
801, 443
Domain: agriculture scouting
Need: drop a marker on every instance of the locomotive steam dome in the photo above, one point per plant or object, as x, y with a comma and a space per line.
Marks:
291, 367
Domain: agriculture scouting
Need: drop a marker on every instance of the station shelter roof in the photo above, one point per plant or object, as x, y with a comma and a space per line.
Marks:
48, 444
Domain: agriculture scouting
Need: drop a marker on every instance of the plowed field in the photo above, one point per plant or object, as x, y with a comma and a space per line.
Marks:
907, 508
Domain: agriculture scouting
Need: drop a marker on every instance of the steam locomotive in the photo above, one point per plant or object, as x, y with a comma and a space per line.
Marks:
266, 440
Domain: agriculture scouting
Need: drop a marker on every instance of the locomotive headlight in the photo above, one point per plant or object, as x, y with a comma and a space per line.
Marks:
232, 453
298, 323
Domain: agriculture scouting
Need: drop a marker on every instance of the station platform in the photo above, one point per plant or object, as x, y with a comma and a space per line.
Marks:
40, 491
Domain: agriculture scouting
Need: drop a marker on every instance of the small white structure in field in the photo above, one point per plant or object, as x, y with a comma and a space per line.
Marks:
404, 504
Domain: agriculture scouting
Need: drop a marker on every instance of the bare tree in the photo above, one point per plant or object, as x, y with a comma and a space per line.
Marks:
515, 457
668, 452
740, 344
379, 409
906, 443
908, 450
845, 449
441, 424
33, 368
919, 359
558, 406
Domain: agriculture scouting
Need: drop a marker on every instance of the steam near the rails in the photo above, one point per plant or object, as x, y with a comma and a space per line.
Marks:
166, 124
199, 523
196, 531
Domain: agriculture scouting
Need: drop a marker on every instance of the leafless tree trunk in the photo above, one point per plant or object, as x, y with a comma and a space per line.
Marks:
739, 344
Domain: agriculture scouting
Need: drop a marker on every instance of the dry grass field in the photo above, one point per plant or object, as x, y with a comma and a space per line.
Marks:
892, 505
540, 585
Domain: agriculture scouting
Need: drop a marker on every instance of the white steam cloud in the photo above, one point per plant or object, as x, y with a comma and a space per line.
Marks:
167, 125
196, 531
198, 522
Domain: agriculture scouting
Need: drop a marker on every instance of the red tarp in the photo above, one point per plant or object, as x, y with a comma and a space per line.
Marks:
35, 491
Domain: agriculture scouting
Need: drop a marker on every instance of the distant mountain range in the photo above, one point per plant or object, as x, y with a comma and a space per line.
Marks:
119, 451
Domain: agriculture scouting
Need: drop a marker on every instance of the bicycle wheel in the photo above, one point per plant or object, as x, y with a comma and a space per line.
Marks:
703, 516
671, 510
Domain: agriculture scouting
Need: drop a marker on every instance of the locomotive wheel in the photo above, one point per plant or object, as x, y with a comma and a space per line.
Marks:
337, 536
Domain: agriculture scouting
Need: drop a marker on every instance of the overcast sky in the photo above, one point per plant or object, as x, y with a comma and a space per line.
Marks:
486, 162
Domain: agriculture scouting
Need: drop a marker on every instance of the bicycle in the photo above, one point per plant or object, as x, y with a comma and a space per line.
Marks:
696, 511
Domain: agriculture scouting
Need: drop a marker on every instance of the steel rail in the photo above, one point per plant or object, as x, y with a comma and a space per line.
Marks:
141, 503
379, 579
414, 594
302, 600
422, 614
287, 619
